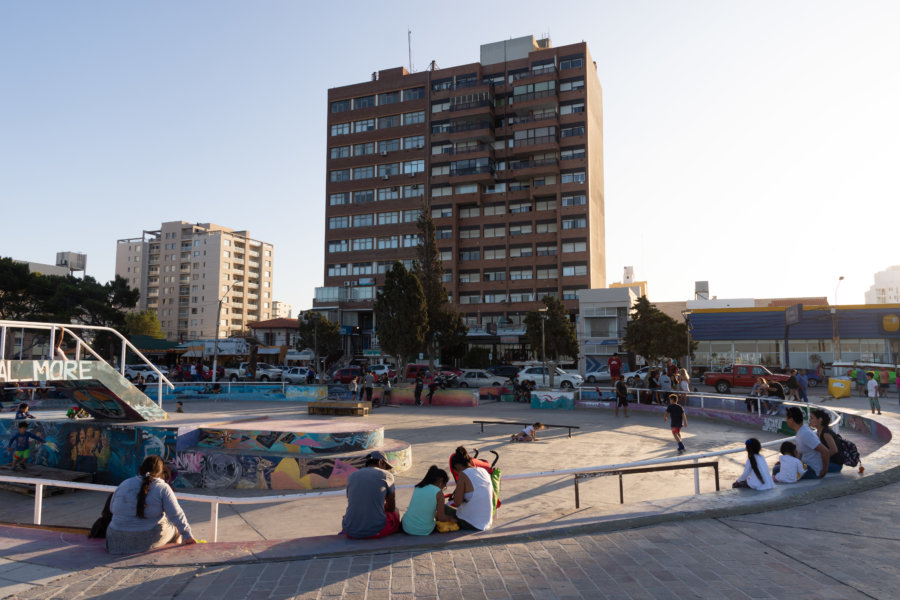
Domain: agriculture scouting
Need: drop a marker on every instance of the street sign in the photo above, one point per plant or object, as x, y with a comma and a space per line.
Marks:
793, 314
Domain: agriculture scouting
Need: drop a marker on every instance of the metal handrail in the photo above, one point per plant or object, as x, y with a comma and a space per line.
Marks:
80, 343
215, 501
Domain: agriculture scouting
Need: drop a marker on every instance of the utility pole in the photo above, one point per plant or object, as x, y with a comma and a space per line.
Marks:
543, 312
218, 322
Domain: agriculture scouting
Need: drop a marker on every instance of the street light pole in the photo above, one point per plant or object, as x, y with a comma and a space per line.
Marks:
543, 312
837, 323
218, 322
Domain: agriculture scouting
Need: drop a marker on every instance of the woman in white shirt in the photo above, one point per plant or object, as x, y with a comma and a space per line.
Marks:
474, 494
756, 472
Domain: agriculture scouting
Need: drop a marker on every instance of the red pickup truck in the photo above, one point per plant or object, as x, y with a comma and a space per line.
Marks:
741, 376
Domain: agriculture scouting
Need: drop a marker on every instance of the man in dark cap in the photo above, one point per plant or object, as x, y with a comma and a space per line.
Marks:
371, 504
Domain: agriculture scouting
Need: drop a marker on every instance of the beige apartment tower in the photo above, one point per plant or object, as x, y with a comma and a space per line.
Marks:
183, 269
505, 153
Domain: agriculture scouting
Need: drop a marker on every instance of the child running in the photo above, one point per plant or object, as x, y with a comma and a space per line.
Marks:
20, 440
756, 472
679, 420
529, 434
789, 468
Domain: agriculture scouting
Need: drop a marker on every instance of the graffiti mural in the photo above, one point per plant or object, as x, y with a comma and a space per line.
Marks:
553, 400
290, 442
309, 393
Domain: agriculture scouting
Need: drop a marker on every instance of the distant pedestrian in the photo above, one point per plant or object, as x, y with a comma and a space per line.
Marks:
179, 406
22, 448
793, 387
671, 367
679, 420
621, 396
432, 388
354, 388
653, 386
417, 391
615, 366
386, 391
861, 381
665, 384
803, 383
369, 385
873, 391
23, 413
310, 376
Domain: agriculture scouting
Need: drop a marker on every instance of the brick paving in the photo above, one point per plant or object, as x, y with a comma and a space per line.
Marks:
842, 548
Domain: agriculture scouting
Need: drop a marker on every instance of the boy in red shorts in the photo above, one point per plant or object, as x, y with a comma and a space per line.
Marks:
679, 420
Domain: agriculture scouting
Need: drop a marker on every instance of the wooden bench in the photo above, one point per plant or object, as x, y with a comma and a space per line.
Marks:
483, 423
352, 409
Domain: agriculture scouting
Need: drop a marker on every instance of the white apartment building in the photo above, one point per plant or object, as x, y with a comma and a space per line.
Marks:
183, 269
281, 310
887, 287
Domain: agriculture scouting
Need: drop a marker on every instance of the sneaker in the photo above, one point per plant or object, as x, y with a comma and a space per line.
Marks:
681, 451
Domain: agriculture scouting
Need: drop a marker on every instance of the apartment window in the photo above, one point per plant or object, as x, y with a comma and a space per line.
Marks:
410, 240
340, 175
547, 273
340, 106
494, 298
539, 89
574, 270
338, 199
413, 94
337, 270
389, 98
574, 199
520, 229
440, 106
364, 125
361, 269
521, 296
362, 244
389, 121
412, 215
389, 169
571, 131
519, 274
339, 129
495, 275
469, 254
520, 251
384, 266
549, 204
226, 254
445, 255
519, 207
468, 233
362, 220
389, 242
491, 210
447, 277
494, 231
337, 246
572, 108
572, 153
469, 211
413, 191
570, 294
340, 152
443, 233
440, 170
469, 277
442, 84
363, 196
575, 246
571, 85
386, 146
571, 62
391, 193
441, 212
495, 188
441, 190
363, 102
364, 172
494, 253
414, 142
414, 118
472, 298
467, 188
546, 250
546, 227
364, 149
411, 167
574, 223
389, 218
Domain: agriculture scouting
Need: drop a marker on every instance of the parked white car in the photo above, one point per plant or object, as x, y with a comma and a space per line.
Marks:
601, 375
295, 375
639, 375
478, 378
150, 376
541, 376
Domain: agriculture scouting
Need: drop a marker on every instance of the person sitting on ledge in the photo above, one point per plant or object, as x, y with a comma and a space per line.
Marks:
813, 453
146, 513
474, 494
371, 503
756, 472
426, 507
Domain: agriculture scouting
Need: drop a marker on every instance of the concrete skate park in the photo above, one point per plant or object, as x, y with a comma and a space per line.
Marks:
534, 503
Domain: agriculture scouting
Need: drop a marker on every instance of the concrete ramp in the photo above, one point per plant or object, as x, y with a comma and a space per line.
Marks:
93, 385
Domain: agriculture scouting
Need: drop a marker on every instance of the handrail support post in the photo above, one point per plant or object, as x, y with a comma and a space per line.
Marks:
213, 521
38, 502
696, 477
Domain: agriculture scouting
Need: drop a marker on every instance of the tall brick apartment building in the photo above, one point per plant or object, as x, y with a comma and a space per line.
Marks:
507, 155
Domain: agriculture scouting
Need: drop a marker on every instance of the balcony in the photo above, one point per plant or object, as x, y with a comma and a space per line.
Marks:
483, 130
535, 72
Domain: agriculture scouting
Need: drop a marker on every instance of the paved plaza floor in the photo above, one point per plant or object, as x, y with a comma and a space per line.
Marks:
836, 548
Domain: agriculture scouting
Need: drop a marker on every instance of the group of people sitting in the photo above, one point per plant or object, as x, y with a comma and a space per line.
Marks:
817, 451
372, 509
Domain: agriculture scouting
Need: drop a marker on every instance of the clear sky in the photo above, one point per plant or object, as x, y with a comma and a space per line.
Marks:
751, 144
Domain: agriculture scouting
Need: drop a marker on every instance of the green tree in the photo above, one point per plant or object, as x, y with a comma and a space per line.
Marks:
143, 322
15, 293
655, 335
558, 332
401, 318
318, 333
444, 325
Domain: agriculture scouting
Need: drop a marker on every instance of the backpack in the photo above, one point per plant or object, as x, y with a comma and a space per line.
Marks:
849, 451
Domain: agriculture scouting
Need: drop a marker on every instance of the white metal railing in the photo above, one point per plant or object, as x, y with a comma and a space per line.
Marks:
702, 396
215, 501
68, 329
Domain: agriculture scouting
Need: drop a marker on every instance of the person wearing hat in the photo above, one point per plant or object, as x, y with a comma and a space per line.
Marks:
371, 503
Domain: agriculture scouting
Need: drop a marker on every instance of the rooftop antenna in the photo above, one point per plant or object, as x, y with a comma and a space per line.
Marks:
409, 47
